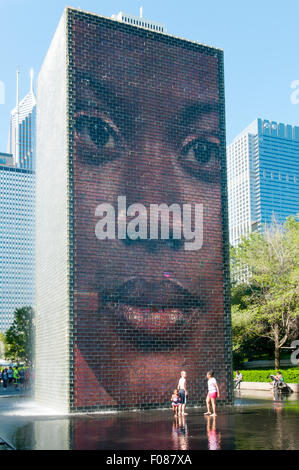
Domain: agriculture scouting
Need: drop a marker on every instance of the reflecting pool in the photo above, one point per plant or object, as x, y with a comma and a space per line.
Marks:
256, 421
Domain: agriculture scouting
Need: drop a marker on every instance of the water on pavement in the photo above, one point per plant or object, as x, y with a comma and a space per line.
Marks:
256, 421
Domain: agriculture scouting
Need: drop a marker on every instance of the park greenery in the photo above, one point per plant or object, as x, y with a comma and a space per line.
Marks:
265, 292
19, 338
290, 375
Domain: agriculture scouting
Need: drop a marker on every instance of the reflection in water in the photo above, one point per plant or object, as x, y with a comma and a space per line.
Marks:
281, 427
214, 437
277, 408
180, 433
270, 422
278, 396
277, 399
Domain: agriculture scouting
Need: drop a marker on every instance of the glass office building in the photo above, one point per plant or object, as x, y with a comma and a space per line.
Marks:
6, 159
16, 242
263, 176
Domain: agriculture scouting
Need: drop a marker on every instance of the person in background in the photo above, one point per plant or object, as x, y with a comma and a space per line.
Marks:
238, 379
276, 379
279, 376
10, 373
22, 377
16, 376
5, 378
27, 378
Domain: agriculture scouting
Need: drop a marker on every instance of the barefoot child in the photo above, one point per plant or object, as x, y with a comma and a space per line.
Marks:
175, 401
213, 393
182, 392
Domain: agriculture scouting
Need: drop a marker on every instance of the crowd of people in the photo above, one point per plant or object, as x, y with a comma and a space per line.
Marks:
16, 378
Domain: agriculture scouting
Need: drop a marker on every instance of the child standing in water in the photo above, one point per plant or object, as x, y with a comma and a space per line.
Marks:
213, 393
175, 401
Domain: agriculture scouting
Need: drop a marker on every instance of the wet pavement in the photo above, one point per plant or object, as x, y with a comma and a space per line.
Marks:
256, 421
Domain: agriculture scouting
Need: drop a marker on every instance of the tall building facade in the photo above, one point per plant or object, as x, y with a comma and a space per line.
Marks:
17, 279
17, 210
262, 176
130, 132
6, 159
21, 140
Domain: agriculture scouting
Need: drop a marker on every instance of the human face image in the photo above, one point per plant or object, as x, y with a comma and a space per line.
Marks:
146, 132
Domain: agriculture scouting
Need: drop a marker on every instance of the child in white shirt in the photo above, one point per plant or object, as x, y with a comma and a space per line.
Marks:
213, 393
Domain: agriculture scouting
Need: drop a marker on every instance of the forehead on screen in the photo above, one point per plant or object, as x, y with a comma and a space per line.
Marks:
135, 62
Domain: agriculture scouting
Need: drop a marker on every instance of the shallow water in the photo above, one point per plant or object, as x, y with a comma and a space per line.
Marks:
257, 421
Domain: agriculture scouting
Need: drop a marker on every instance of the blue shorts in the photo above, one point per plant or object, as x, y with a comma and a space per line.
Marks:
182, 397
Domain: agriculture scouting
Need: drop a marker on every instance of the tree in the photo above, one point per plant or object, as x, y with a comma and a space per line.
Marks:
19, 338
267, 305
246, 343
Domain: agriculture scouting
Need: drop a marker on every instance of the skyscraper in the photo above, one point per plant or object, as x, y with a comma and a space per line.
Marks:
263, 176
16, 241
21, 140
134, 123
17, 210
6, 159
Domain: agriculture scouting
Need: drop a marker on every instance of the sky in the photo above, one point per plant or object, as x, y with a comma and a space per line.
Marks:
260, 40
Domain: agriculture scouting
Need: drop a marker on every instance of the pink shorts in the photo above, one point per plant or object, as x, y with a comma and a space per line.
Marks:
212, 395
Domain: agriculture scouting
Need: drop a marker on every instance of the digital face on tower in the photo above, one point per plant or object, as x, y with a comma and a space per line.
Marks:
148, 235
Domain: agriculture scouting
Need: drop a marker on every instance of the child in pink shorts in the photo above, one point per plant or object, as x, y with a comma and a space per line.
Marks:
213, 393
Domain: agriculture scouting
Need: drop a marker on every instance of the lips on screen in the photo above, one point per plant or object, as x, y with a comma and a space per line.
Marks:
146, 126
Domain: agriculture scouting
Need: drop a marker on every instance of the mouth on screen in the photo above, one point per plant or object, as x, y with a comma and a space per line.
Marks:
144, 310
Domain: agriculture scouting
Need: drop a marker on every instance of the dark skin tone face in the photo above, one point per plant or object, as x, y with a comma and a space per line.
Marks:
147, 128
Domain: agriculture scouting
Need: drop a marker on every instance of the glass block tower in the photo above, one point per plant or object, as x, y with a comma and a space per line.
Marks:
132, 120
17, 280
263, 176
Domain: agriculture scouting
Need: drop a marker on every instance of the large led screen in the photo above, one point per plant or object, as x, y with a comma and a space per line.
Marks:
147, 139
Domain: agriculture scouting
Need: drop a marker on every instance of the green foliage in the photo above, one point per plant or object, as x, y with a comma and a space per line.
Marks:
290, 375
19, 338
266, 304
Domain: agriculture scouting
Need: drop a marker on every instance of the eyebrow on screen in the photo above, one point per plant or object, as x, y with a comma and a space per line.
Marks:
103, 92
192, 112
184, 119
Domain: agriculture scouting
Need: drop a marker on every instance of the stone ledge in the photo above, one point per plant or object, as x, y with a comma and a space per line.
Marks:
264, 386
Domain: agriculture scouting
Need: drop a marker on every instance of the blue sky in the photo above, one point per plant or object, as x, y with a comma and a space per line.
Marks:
260, 42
